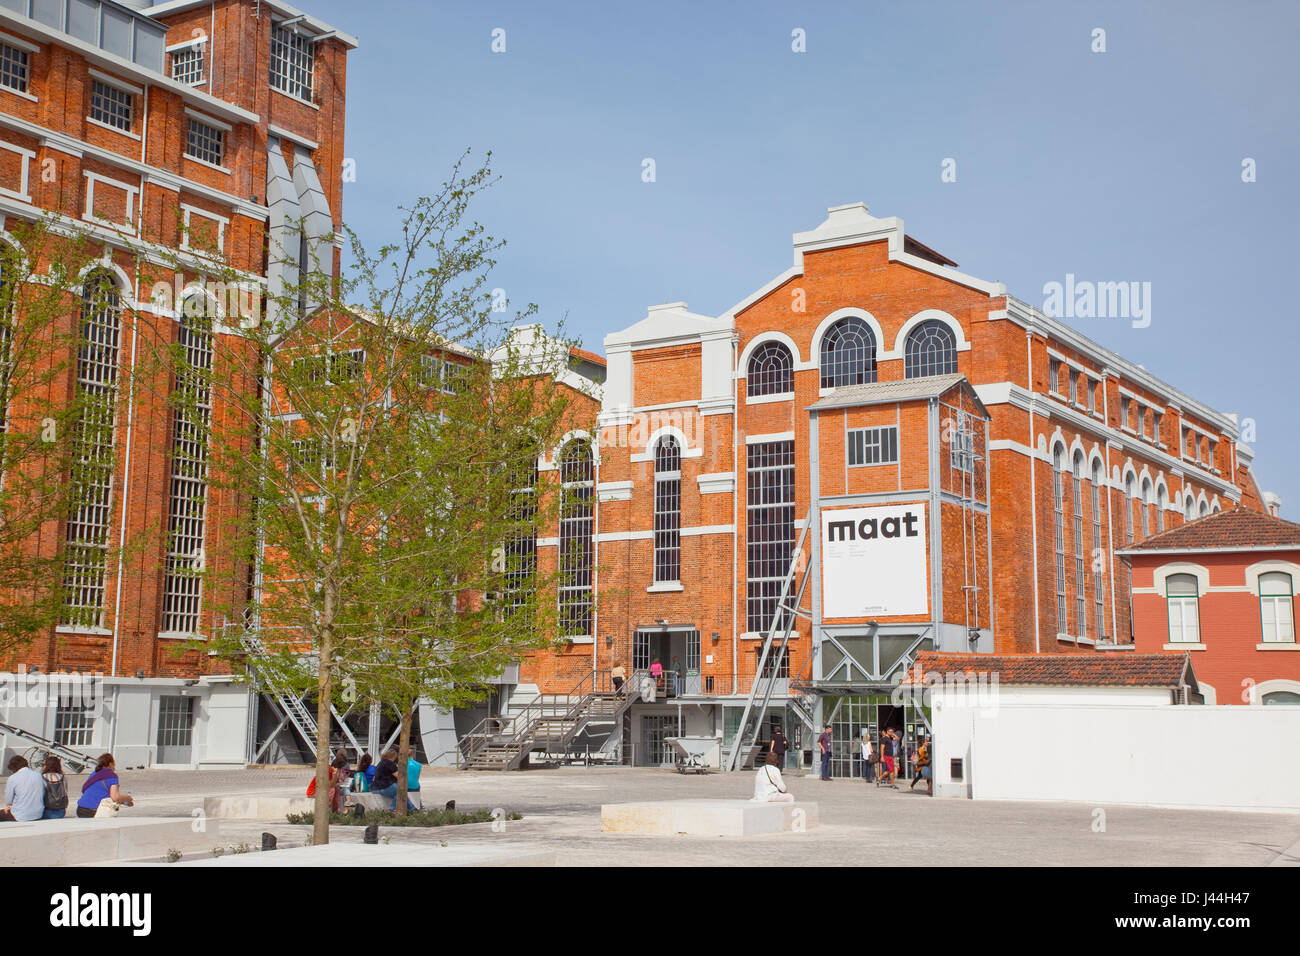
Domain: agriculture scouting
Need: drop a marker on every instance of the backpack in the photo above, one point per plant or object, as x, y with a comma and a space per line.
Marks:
56, 793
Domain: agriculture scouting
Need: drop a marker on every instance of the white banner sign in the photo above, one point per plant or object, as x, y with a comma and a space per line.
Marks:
874, 561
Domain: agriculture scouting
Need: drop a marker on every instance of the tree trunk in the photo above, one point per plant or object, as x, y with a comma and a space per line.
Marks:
320, 834
403, 755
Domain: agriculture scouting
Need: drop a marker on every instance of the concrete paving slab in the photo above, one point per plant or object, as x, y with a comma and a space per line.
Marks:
256, 808
359, 854
737, 818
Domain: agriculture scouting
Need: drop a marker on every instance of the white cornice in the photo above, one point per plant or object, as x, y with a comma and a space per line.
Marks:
153, 175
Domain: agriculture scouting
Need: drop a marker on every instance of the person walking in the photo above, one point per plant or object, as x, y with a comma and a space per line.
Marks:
824, 746
102, 785
56, 789
769, 787
923, 771
867, 754
24, 793
657, 674
618, 674
890, 746
779, 745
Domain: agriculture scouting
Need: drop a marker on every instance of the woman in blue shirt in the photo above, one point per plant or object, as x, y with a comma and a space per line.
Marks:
102, 784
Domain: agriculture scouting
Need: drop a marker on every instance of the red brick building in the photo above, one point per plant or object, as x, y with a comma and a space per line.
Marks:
959, 466
1223, 589
172, 135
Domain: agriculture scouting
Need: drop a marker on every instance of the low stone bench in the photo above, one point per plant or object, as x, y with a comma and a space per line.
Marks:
707, 817
73, 840
256, 808
372, 801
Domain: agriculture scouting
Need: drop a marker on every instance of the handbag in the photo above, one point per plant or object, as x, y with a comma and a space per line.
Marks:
107, 809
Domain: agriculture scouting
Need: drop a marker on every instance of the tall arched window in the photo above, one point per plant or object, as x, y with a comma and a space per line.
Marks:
848, 354
1145, 505
1058, 534
1189, 508
94, 452
576, 558
1162, 499
931, 349
1276, 604
188, 491
1080, 585
771, 370
668, 511
1203, 509
1128, 508
1099, 589
1184, 616
8, 290
521, 544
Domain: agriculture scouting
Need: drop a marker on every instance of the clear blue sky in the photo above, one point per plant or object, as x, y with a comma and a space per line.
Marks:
1115, 166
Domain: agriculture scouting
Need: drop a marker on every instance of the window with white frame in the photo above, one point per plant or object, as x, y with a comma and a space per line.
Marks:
293, 62
521, 543
1054, 375
770, 372
74, 719
668, 511
187, 64
1080, 582
1276, 608
848, 354
205, 142
1156, 419
1099, 589
930, 349
14, 68
1058, 537
111, 105
1074, 387
576, 557
873, 446
94, 454
187, 517
1128, 508
1162, 499
1123, 412
1184, 616
769, 538
1145, 505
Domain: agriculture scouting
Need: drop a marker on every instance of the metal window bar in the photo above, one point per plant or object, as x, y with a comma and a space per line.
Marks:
873, 446
111, 105
931, 349
1058, 500
668, 511
577, 509
13, 68
771, 370
848, 354
769, 528
187, 65
1080, 585
205, 142
293, 62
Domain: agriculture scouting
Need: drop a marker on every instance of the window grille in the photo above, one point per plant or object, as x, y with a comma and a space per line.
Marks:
1058, 533
668, 511
293, 62
1080, 581
13, 68
205, 142
848, 354
770, 534
771, 370
873, 446
187, 65
111, 105
577, 509
931, 349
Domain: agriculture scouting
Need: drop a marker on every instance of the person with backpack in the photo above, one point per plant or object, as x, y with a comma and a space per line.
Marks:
56, 789
923, 768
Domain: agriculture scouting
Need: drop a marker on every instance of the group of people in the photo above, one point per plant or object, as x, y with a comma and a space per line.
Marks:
668, 682
370, 777
881, 763
30, 795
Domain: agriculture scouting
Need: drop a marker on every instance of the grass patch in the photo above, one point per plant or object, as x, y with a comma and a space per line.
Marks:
416, 818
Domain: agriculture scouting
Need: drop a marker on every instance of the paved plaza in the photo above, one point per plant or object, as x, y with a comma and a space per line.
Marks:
860, 824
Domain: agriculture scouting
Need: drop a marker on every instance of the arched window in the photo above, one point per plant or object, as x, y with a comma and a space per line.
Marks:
1184, 618
1189, 508
771, 370
1099, 589
1281, 697
94, 452
1203, 510
848, 354
521, 543
1162, 499
1128, 508
931, 349
1145, 505
1276, 608
1058, 535
188, 491
577, 506
668, 511
1080, 587
8, 290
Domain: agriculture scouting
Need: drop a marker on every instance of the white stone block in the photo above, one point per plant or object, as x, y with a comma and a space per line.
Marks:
707, 817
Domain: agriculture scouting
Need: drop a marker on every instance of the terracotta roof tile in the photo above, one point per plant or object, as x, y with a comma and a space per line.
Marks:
589, 356
1107, 669
1224, 531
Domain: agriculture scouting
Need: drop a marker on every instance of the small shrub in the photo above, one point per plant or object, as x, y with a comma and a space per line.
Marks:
174, 855
418, 818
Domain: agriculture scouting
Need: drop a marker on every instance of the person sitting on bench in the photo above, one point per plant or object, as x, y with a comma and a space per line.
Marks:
768, 785
24, 793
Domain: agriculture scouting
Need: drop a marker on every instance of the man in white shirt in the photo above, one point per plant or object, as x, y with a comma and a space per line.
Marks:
24, 793
768, 785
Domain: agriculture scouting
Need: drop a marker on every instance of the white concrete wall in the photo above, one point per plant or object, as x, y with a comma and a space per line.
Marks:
1126, 753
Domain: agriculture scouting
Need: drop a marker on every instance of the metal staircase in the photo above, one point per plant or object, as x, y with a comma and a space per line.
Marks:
782, 627
550, 723
290, 704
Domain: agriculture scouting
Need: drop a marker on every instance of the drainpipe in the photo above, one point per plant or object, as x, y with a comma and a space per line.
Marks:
1033, 491
735, 511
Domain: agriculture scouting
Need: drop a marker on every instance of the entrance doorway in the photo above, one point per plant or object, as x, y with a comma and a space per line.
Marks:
175, 729
678, 652
876, 713
655, 728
